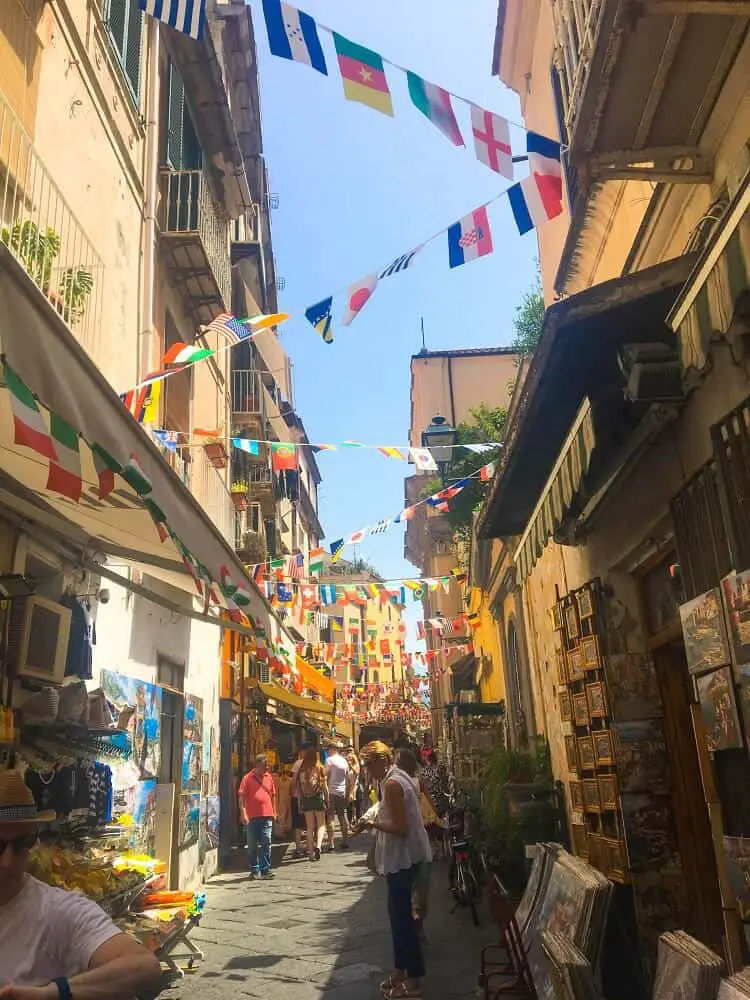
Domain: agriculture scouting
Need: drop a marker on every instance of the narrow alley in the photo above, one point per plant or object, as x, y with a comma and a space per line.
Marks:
321, 931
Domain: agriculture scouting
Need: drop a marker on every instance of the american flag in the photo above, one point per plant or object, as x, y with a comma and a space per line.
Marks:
227, 323
295, 567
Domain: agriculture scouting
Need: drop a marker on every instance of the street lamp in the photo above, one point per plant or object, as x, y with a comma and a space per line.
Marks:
441, 438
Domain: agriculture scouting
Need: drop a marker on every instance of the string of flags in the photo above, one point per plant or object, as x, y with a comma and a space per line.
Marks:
533, 201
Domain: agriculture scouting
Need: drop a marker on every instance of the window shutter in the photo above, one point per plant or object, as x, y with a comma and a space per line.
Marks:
132, 49
117, 11
175, 119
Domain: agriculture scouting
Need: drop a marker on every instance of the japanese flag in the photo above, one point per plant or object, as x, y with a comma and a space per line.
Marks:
358, 296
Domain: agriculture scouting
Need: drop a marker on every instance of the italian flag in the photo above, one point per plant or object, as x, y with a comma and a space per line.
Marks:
228, 586
135, 477
29, 426
65, 471
159, 519
106, 467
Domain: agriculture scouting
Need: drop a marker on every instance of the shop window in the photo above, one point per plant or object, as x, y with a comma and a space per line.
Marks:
125, 19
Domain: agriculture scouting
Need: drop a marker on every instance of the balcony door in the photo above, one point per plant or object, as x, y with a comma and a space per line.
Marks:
184, 155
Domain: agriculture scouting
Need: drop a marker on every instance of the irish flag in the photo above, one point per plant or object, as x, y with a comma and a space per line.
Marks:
64, 475
435, 104
363, 75
29, 426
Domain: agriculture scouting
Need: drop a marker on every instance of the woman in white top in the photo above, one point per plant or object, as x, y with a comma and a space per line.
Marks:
402, 845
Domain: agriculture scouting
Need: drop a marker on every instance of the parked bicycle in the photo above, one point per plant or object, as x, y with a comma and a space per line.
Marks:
463, 874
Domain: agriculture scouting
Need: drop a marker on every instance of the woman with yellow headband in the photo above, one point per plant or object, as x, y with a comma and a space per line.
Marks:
401, 846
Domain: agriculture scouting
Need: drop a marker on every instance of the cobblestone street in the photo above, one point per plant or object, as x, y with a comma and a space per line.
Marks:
321, 931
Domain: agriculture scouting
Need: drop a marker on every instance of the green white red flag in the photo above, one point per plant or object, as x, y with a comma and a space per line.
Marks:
64, 475
29, 426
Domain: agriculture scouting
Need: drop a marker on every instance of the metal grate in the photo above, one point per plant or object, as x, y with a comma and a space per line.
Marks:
700, 533
731, 441
39, 229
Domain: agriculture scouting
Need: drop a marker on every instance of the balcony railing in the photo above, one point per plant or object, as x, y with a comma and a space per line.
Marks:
247, 392
210, 490
576, 23
200, 236
246, 228
40, 230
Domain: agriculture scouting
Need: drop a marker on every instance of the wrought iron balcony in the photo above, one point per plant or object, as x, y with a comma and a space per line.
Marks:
638, 82
196, 234
248, 402
38, 227
210, 490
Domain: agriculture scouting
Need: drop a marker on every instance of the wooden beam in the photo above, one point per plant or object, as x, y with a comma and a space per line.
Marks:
653, 163
728, 8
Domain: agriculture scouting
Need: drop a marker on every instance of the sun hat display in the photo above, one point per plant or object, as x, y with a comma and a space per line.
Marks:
17, 804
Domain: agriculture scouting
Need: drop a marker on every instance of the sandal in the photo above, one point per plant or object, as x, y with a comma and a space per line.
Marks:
390, 983
401, 991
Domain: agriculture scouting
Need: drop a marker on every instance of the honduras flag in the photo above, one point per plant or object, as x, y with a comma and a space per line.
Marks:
293, 35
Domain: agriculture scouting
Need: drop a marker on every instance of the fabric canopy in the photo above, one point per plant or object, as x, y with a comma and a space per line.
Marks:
314, 680
307, 705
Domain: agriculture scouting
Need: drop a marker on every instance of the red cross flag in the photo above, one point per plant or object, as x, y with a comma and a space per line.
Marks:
492, 141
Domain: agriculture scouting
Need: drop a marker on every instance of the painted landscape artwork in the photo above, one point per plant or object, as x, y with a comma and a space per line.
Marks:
719, 710
703, 629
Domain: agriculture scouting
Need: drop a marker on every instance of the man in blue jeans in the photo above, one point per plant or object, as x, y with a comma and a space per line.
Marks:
258, 802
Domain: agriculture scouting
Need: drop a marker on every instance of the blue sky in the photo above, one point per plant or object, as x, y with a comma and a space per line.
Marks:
357, 189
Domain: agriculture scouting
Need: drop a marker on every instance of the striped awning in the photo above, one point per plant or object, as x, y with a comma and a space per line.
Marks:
707, 303
560, 490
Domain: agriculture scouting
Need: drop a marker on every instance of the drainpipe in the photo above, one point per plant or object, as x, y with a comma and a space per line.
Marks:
150, 190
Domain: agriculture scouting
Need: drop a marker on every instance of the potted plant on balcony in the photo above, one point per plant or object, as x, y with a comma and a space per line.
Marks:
216, 452
36, 249
239, 490
252, 549
76, 284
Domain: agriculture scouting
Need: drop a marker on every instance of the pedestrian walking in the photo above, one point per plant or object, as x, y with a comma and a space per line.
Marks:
408, 762
401, 845
313, 787
259, 805
298, 817
338, 775
356, 793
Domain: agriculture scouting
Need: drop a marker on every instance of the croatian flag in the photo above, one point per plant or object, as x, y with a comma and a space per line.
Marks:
469, 238
529, 206
293, 35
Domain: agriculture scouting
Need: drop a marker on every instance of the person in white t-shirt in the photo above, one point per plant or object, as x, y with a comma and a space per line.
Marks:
339, 785
57, 945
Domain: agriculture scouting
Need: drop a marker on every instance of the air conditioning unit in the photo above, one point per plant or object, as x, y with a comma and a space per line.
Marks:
652, 373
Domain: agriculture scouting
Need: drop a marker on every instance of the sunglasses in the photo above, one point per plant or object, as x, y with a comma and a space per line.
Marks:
19, 844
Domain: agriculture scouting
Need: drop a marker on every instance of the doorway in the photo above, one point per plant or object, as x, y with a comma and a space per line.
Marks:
170, 766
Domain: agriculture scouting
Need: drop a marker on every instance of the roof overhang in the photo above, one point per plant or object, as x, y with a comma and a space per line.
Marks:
118, 528
576, 358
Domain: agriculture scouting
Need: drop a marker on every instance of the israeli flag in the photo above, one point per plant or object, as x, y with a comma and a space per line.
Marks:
293, 35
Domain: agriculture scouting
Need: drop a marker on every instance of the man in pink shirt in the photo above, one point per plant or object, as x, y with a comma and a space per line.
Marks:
258, 802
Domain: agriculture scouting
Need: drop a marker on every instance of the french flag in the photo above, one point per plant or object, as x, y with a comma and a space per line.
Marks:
538, 197
469, 238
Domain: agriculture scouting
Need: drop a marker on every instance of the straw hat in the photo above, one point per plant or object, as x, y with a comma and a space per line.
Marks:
17, 804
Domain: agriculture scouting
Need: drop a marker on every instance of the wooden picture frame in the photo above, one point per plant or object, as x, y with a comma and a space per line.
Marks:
576, 796
580, 711
617, 858
597, 846
562, 666
603, 749
585, 602
608, 793
589, 647
572, 625
586, 758
571, 754
557, 617
575, 664
580, 840
566, 709
591, 798
597, 700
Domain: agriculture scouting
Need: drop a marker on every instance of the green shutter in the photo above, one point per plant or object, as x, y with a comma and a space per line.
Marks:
175, 118
132, 49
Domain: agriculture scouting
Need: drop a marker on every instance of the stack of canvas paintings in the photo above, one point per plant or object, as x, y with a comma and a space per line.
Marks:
570, 971
686, 968
736, 987
536, 887
575, 905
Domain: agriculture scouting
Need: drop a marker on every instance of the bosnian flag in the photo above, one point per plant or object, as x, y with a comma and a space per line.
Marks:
357, 297
546, 169
469, 238
293, 35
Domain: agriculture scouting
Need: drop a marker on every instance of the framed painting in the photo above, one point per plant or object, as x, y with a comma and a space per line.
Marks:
704, 632
576, 796
632, 689
589, 647
608, 792
742, 673
597, 701
603, 751
585, 601
580, 840
557, 617
586, 759
580, 711
571, 754
572, 627
617, 859
575, 664
597, 846
649, 832
735, 589
641, 754
562, 667
591, 801
566, 712
719, 709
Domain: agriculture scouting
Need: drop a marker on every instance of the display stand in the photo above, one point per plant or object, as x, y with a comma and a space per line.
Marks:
172, 947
